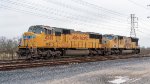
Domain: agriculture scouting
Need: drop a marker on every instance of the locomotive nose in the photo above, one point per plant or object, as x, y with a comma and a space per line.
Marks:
28, 39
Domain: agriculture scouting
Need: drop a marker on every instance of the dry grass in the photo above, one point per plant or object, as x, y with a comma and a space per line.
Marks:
8, 56
145, 51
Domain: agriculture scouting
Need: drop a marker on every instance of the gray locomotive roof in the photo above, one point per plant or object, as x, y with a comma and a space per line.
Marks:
49, 27
61, 29
54, 28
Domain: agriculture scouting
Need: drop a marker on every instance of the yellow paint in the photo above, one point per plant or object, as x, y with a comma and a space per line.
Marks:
73, 40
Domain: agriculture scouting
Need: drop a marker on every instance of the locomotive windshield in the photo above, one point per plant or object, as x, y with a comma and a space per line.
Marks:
36, 29
110, 37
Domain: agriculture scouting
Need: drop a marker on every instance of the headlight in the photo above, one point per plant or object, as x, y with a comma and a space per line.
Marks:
29, 37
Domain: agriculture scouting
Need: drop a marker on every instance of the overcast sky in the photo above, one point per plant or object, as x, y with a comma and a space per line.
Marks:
101, 16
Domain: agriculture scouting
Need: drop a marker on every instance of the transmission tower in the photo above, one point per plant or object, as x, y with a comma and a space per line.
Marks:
134, 24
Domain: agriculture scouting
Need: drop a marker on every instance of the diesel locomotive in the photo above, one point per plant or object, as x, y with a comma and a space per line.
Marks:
42, 41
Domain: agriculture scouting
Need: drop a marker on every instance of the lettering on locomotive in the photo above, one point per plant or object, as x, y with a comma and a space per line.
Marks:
49, 37
75, 37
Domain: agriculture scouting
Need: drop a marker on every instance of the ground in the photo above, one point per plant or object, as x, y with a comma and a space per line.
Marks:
122, 71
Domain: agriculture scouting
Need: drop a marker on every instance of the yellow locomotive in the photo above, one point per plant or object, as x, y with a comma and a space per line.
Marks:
44, 41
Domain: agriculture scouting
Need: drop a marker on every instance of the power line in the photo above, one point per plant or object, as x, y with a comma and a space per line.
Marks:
57, 14
138, 4
51, 9
82, 2
85, 11
53, 18
80, 10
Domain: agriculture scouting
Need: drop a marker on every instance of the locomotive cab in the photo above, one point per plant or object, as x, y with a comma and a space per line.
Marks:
33, 39
40, 29
108, 40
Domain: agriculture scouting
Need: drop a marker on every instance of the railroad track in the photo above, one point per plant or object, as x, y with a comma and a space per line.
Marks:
20, 64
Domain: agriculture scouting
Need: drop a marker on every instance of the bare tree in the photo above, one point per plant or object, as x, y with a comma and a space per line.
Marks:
2, 43
8, 46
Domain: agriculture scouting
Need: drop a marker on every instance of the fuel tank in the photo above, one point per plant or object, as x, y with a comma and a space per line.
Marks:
77, 52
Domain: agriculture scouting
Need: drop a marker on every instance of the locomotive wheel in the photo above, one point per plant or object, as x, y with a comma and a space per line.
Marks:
49, 55
58, 54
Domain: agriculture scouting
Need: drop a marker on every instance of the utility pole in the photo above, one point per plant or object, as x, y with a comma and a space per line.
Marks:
134, 24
